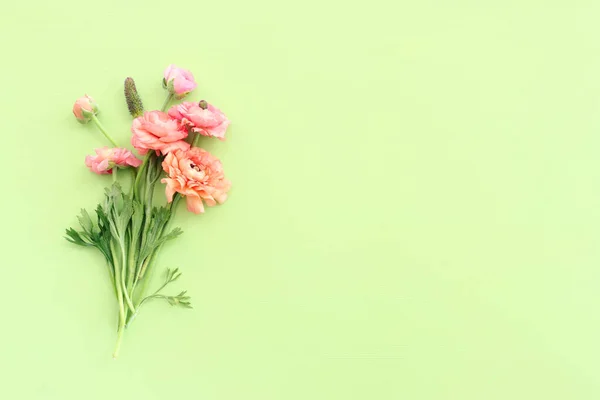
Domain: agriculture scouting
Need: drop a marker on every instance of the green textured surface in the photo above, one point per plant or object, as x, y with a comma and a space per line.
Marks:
415, 211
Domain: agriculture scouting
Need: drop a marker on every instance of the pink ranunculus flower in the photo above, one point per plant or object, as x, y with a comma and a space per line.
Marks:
84, 108
197, 175
156, 130
106, 159
179, 81
201, 117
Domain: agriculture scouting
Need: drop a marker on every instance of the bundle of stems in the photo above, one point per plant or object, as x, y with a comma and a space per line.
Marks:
129, 229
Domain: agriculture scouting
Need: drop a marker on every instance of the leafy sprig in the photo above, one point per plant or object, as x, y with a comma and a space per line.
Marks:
178, 300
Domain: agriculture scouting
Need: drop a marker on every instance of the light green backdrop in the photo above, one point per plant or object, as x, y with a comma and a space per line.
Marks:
415, 210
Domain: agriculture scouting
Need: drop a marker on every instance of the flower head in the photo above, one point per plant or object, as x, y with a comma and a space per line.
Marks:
155, 130
178, 81
84, 108
197, 175
106, 159
134, 102
201, 117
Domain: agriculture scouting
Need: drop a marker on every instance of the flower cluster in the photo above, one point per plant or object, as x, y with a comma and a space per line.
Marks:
168, 134
130, 228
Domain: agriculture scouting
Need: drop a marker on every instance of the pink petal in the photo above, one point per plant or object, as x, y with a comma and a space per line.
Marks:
194, 204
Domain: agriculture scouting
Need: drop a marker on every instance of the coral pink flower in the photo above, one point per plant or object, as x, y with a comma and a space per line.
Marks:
155, 130
106, 159
179, 81
84, 108
202, 118
197, 175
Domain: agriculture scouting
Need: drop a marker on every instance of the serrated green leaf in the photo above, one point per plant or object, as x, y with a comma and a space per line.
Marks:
85, 221
75, 237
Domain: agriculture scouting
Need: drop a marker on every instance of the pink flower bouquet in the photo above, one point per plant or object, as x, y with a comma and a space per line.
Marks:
130, 226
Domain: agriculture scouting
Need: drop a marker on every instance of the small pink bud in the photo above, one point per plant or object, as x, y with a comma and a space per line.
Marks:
84, 109
178, 81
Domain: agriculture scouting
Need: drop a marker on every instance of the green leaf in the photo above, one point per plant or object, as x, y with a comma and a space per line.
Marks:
137, 218
181, 299
153, 231
85, 221
98, 234
74, 237
172, 275
169, 236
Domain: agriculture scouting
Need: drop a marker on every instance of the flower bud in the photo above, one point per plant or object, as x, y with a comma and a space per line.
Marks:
178, 81
84, 109
134, 102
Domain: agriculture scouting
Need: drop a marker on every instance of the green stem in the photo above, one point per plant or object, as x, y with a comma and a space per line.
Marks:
173, 207
167, 102
136, 189
195, 141
123, 274
114, 173
111, 274
120, 301
152, 256
146, 268
119, 339
133, 178
132, 316
132, 265
153, 295
99, 125
149, 189
143, 267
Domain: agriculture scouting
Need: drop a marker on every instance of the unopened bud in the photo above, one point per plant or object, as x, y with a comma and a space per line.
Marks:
84, 109
178, 81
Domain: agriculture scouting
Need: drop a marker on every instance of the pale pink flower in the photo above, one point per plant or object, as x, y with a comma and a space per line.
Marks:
197, 175
155, 130
201, 117
179, 81
84, 108
106, 159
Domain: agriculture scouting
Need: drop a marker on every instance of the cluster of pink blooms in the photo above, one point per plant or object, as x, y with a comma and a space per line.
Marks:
191, 171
